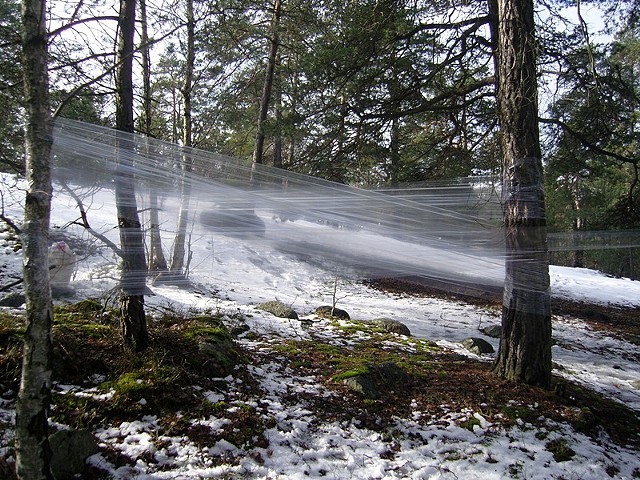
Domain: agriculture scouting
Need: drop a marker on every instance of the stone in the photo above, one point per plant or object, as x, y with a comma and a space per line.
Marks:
13, 300
390, 373
328, 311
219, 356
379, 378
239, 329
636, 384
493, 331
477, 345
278, 309
392, 326
363, 384
69, 451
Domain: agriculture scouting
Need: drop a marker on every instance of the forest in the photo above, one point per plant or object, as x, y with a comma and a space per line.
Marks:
537, 99
364, 93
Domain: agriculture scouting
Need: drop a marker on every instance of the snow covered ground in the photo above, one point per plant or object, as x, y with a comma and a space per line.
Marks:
229, 275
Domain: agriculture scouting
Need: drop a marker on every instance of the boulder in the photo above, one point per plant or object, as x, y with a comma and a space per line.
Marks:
69, 451
364, 385
493, 331
389, 373
477, 345
13, 300
392, 326
279, 309
377, 379
327, 311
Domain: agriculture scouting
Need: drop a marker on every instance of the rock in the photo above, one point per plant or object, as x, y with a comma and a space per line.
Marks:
493, 331
557, 366
363, 384
239, 329
13, 300
58, 291
377, 379
477, 345
328, 311
278, 309
392, 326
390, 373
69, 451
636, 384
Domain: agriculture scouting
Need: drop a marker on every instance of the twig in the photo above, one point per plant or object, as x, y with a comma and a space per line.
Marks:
84, 222
13, 284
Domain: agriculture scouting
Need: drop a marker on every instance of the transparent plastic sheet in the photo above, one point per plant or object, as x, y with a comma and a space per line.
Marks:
447, 231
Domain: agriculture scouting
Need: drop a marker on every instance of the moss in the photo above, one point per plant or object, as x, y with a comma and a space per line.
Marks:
354, 372
279, 309
10, 323
129, 382
91, 330
133, 384
560, 450
470, 423
86, 307
84, 311
203, 332
514, 412
76, 412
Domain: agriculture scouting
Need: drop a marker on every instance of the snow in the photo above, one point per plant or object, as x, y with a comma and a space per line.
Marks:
589, 286
232, 277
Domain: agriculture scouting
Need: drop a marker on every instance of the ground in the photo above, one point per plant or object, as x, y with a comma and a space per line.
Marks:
618, 321
182, 390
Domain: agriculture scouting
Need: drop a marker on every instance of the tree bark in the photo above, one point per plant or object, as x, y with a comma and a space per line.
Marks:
525, 345
277, 142
268, 82
133, 278
157, 260
32, 445
178, 254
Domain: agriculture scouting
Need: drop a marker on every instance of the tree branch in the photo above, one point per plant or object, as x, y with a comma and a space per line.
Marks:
587, 143
84, 222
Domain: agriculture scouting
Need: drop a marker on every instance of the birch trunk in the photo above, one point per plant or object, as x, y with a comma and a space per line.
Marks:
178, 254
32, 445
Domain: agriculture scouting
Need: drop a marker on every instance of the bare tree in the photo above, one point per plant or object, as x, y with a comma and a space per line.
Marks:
133, 278
525, 345
32, 445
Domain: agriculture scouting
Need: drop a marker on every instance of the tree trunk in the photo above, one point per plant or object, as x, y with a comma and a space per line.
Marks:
525, 345
157, 261
268, 82
277, 142
178, 255
578, 222
133, 278
32, 444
